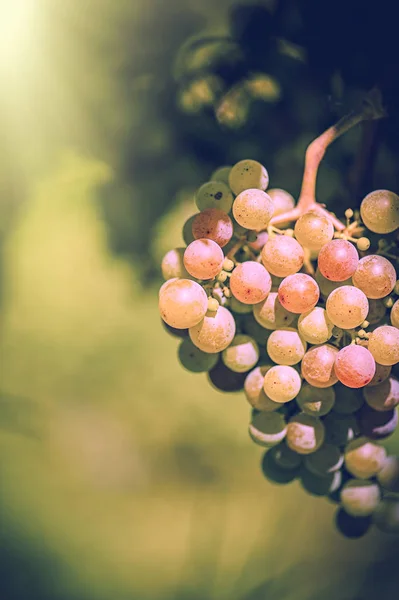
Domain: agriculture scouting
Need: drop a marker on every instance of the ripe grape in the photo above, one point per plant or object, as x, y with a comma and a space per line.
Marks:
195, 360
284, 457
376, 312
248, 174
313, 230
388, 476
379, 211
267, 428
285, 346
305, 434
386, 515
347, 400
376, 424
254, 392
182, 303
187, 231
221, 174
314, 401
225, 380
315, 326
242, 354
298, 293
338, 260
354, 366
261, 239
282, 200
213, 224
364, 458
250, 283
360, 498
282, 383
282, 255
214, 194
395, 314
214, 332
384, 345
173, 266
253, 209
340, 429
203, 259
271, 314
384, 396
375, 276
318, 366
327, 459
347, 307
326, 286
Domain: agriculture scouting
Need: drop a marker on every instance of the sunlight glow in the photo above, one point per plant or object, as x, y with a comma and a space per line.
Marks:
15, 27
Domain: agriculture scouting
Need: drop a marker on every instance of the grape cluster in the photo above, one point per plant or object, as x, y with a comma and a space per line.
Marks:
303, 319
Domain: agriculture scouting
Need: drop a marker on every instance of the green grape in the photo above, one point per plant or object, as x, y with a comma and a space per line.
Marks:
382, 372
380, 211
248, 174
242, 354
252, 328
271, 314
340, 429
320, 485
221, 174
360, 498
305, 434
214, 194
313, 230
352, 527
354, 366
315, 401
195, 360
386, 515
267, 428
388, 476
285, 346
364, 458
282, 383
182, 303
327, 459
173, 266
214, 332
253, 209
187, 231
284, 457
384, 345
315, 326
254, 392
347, 400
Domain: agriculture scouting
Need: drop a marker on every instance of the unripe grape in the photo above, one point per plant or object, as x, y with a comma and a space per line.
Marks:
254, 392
298, 293
327, 459
388, 476
221, 174
182, 303
384, 345
268, 428
314, 401
305, 434
248, 174
242, 354
285, 346
363, 244
347, 400
364, 458
360, 498
375, 424
315, 326
253, 209
380, 211
214, 194
318, 366
271, 314
213, 224
195, 360
214, 332
250, 283
282, 383
187, 231
173, 266
338, 260
282, 255
313, 230
340, 429
282, 200
354, 366
375, 276
386, 515
384, 396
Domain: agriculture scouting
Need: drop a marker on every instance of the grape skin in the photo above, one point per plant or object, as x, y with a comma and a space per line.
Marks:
248, 174
315, 326
315, 402
298, 293
282, 201
253, 209
213, 224
305, 434
379, 211
338, 260
313, 230
360, 498
282, 256
364, 458
318, 366
268, 428
354, 366
250, 283
347, 307
203, 259
182, 303
242, 354
214, 332
173, 265
384, 345
254, 392
195, 360
271, 314
282, 383
286, 347
375, 276
214, 194
384, 396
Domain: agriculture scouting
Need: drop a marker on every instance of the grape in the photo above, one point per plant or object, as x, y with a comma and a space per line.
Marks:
248, 174
384, 396
376, 312
347, 400
239, 307
388, 476
250, 283
315, 326
242, 354
253, 209
282, 383
395, 314
261, 239
214, 194
284, 457
214, 332
375, 276
268, 428
376, 424
271, 314
364, 458
354, 366
282, 255
320, 485
384, 345
326, 286
313, 230
254, 392
188, 230
225, 380
327, 459
274, 472
252, 328
382, 372
213, 224
347, 307
314, 401
282, 201
285, 346
338, 260
352, 527
179, 333
173, 266
195, 360
380, 211
360, 498
182, 303
221, 174
318, 366
340, 429
298, 293
386, 515
203, 259
305, 434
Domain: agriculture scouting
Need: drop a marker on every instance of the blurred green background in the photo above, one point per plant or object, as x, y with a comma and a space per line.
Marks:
123, 476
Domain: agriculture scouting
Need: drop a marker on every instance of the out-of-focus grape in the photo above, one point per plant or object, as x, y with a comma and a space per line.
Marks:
214, 332
285, 346
386, 515
347, 400
364, 458
252, 328
338, 260
314, 401
347, 307
214, 194
354, 366
313, 230
221, 174
284, 457
271, 314
254, 392
360, 498
248, 174
375, 424
225, 380
268, 428
384, 396
327, 459
283, 201
340, 429
242, 354
384, 345
379, 211
250, 283
282, 383
352, 527
315, 326
195, 360
253, 209
375, 276
239, 307
318, 366
318, 485
305, 434
395, 314
259, 242
182, 303
388, 476
187, 231
282, 255
298, 293
173, 266
213, 224
382, 372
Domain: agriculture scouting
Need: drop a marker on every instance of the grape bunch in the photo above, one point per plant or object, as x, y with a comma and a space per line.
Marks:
303, 319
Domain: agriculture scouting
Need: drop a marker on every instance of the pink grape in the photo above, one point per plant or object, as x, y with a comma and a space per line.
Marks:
298, 293
375, 276
250, 283
203, 259
282, 255
182, 303
318, 366
338, 260
354, 366
213, 224
384, 345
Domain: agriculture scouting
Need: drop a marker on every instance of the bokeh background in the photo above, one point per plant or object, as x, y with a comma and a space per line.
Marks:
123, 476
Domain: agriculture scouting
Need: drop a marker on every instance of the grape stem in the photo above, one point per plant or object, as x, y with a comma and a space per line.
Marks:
371, 108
